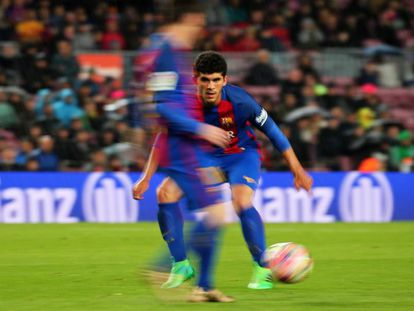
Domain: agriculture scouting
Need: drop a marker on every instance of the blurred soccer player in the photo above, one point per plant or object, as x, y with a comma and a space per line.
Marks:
180, 150
234, 110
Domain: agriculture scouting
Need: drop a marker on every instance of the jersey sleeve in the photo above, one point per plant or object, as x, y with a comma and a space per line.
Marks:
177, 121
164, 82
259, 117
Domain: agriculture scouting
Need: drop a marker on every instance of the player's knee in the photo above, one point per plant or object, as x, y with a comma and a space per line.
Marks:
165, 195
215, 215
241, 203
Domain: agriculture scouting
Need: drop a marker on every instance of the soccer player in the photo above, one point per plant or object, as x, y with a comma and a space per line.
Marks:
235, 111
180, 151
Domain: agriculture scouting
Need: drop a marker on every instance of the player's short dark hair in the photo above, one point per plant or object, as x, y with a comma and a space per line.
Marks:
210, 62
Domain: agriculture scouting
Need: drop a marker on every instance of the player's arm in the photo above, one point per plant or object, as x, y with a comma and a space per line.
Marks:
262, 121
301, 178
142, 184
163, 82
181, 123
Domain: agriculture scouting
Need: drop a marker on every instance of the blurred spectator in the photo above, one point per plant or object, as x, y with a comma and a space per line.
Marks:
42, 73
27, 151
262, 72
112, 38
310, 36
330, 27
84, 38
305, 64
65, 147
6, 29
93, 116
66, 108
35, 132
64, 63
8, 115
368, 74
30, 29
98, 163
48, 120
332, 98
216, 13
107, 138
8, 160
371, 164
46, 156
131, 36
402, 155
115, 164
293, 83
371, 100
351, 34
32, 165
10, 63
385, 30
279, 27
302, 140
269, 42
236, 12
249, 42
84, 145
288, 103
366, 117
351, 96
330, 144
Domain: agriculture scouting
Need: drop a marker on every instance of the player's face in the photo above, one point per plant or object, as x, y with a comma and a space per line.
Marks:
209, 87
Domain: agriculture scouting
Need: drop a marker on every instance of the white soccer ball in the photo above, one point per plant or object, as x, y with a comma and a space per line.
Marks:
289, 262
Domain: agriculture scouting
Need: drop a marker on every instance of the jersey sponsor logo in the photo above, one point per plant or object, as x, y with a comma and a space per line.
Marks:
162, 81
366, 198
249, 180
107, 198
261, 119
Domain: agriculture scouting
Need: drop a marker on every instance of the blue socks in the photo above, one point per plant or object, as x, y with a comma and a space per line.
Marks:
253, 232
203, 241
204, 238
171, 224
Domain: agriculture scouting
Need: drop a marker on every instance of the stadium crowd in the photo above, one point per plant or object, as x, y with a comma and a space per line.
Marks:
52, 118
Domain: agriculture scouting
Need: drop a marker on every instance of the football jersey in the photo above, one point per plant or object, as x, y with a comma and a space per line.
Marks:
165, 71
236, 113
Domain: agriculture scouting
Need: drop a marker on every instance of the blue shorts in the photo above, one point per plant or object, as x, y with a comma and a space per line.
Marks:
201, 188
242, 168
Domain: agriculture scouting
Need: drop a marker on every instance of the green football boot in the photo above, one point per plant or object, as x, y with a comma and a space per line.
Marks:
180, 272
261, 278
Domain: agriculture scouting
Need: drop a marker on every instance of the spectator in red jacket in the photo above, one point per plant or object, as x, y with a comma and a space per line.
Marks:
112, 38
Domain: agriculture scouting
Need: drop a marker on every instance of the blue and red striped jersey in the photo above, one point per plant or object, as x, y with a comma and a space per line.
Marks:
166, 72
236, 113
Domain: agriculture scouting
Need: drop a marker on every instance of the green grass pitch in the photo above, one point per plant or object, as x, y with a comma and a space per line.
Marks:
95, 267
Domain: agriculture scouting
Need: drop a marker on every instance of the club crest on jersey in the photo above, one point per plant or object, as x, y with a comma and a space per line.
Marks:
227, 121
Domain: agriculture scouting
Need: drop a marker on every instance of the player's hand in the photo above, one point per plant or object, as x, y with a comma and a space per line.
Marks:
302, 180
139, 188
214, 135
